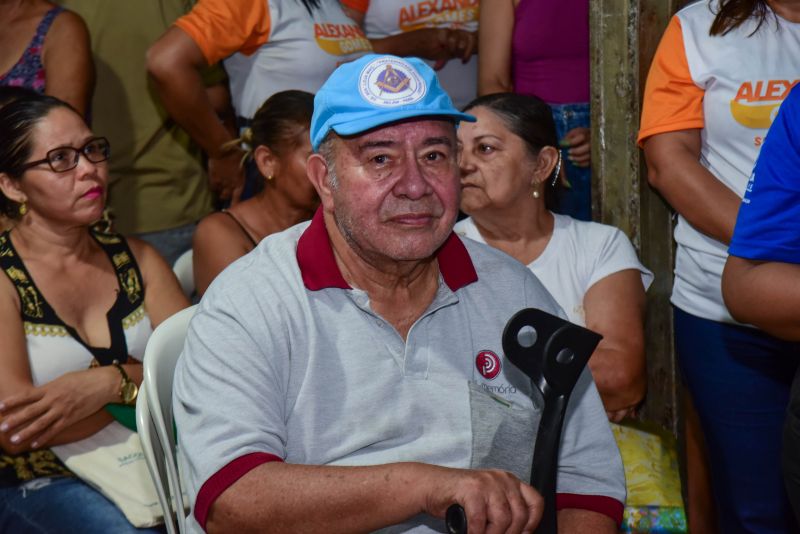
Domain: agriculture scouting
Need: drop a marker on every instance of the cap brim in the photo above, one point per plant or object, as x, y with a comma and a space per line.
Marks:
357, 126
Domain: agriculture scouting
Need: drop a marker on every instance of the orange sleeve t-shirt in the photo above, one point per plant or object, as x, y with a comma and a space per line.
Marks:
672, 100
223, 27
356, 5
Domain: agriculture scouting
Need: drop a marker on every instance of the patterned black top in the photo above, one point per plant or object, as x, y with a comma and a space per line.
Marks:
40, 320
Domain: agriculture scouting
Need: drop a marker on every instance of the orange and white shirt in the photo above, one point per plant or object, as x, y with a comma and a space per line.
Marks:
383, 18
730, 87
273, 45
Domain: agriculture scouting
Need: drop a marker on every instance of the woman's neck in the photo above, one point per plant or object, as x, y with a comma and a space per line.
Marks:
786, 9
522, 231
39, 239
276, 212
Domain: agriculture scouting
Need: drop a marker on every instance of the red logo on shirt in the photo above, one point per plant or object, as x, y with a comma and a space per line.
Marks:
488, 364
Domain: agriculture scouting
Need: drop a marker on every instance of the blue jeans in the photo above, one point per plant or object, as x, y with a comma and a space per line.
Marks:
61, 505
739, 379
171, 243
575, 201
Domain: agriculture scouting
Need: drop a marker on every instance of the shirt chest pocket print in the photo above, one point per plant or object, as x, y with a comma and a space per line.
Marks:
503, 433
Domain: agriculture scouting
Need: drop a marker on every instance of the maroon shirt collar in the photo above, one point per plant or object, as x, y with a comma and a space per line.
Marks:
319, 270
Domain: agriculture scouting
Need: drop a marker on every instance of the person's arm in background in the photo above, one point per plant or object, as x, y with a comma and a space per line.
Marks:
761, 281
672, 117
494, 41
764, 294
67, 60
615, 307
174, 63
674, 170
436, 44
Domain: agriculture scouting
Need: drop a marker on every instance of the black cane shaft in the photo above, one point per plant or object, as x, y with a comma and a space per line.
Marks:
545, 460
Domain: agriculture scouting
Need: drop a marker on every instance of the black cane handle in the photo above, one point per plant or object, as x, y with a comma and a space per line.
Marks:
456, 519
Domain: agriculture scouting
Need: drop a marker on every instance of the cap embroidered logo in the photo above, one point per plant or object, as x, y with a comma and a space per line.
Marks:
488, 364
391, 82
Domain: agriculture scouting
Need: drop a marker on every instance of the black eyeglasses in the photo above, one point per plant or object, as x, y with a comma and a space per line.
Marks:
65, 158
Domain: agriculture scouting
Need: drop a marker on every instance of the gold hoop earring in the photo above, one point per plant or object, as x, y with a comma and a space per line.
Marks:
23, 208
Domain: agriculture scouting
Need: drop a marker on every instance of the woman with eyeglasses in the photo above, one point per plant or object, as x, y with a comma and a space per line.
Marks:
76, 309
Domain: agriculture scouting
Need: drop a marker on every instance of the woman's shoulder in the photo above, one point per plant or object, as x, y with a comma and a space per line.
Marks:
220, 226
118, 245
699, 9
67, 25
588, 233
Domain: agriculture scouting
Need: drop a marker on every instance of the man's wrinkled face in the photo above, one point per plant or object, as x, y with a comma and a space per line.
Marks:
397, 190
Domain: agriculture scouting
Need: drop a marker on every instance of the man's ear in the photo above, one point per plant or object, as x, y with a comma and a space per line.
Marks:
10, 188
317, 171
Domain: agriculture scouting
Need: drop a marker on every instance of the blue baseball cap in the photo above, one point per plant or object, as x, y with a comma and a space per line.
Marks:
376, 90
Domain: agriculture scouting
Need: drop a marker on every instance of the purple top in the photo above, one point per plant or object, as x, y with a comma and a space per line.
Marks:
550, 50
28, 72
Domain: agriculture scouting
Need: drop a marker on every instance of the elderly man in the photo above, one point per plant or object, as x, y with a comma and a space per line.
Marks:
348, 374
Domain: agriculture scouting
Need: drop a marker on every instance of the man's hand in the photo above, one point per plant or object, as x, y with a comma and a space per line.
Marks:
494, 501
226, 175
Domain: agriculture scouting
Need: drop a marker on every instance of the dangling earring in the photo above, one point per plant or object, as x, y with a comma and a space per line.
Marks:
23, 208
536, 193
557, 170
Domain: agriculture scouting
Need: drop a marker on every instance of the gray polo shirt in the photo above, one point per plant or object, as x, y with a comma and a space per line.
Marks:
285, 362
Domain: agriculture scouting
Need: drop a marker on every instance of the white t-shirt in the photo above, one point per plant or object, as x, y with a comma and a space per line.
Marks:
578, 255
270, 46
729, 87
384, 18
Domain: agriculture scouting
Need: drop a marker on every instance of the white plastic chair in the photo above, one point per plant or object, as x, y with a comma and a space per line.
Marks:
160, 356
183, 269
154, 456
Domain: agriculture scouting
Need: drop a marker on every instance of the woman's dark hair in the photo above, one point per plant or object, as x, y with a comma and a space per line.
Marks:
310, 5
10, 93
17, 121
279, 120
529, 118
734, 13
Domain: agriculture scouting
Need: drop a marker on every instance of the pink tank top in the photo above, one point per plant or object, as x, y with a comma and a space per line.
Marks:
550, 50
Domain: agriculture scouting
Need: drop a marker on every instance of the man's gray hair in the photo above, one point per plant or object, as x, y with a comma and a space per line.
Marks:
326, 150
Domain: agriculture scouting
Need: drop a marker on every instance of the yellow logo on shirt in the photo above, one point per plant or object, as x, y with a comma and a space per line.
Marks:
757, 102
341, 39
433, 13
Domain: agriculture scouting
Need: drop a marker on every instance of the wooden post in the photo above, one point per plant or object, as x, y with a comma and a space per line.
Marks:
624, 36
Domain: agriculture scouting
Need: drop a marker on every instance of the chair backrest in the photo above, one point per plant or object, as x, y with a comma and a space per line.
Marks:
154, 457
161, 354
184, 270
